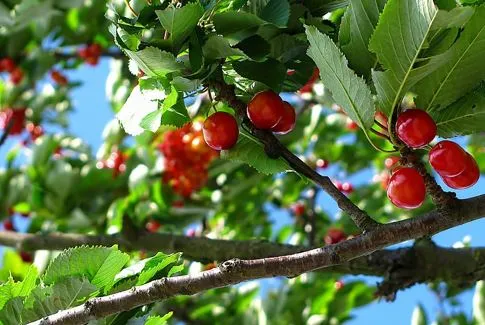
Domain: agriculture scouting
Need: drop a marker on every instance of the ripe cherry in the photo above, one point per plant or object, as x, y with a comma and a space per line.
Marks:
465, 179
26, 257
288, 120
406, 188
339, 284
14, 116
307, 88
298, 209
322, 163
415, 128
59, 78
351, 125
220, 131
266, 109
347, 188
153, 226
448, 158
8, 225
35, 131
338, 185
16, 76
7, 64
334, 236
391, 161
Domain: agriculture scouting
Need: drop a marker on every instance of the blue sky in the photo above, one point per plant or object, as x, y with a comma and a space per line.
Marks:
93, 112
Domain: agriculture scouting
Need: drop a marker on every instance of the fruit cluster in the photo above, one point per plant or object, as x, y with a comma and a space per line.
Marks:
16, 73
116, 161
13, 118
458, 169
91, 53
187, 158
268, 111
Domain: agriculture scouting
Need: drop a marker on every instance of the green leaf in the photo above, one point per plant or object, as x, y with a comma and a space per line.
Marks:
158, 320
465, 116
180, 22
276, 12
67, 293
270, 72
133, 112
357, 27
457, 17
398, 39
60, 179
419, 316
152, 121
98, 264
463, 70
237, 25
251, 152
11, 314
155, 62
176, 115
254, 47
216, 47
12, 289
348, 90
156, 264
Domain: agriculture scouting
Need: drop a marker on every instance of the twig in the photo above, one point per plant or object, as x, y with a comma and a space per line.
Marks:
73, 55
6, 132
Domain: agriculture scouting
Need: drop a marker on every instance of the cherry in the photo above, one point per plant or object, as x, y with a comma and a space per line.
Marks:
322, 163
26, 257
406, 188
415, 128
351, 125
347, 188
448, 158
18, 117
266, 109
210, 266
35, 131
191, 232
338, 185
339, 284
153, 226
8, 225
307, 88
220, 131
288, 120
466, 178
16, 76
91, 53
334, 236
59, 78
7, 64
391, 161
298, 209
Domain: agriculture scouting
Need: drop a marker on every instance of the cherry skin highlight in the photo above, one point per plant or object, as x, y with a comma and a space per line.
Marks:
298, 209
220, 131
266, 109
288, 120
448, 158
415, 128
465, 179
406, 188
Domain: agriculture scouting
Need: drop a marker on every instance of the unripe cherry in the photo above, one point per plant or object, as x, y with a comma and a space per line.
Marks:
220, 131
266, 109
415, 128
465, 179
448, 158
288, 120
406, 188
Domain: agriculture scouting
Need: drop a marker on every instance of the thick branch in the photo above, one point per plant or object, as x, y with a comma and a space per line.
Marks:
236, 270
275, 149
73, 55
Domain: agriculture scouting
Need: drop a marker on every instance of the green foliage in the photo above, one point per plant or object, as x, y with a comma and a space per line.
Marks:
158, 320
419, 316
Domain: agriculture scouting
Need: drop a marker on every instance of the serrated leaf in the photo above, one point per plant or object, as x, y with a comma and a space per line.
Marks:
270, 72
236, 25
251, 152
11, 314
180, 22
465, 116
156, 264
176, 115
155, 62
186, 85
12, 289
463, 70
397, 41
276, 12
136, 108
456, 17
158, 320
67, 293
358, 24
216, 47
98, 264
152, 121
348, 90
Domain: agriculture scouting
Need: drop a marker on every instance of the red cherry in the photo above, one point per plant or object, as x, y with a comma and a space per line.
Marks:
298, 209
322, 163
59, 78
191, 232
334, 236
35, 131
92, 60
415, 128
153, 226
337, 184
95, 50
406, 188
7, 64
448, 158
351, 125
8, 225
266, 109
339, 285
18, 117
26, 257
288, 120
347, 188
220, 131
290, 72
307, 88
391, 161
16, 76
465, 179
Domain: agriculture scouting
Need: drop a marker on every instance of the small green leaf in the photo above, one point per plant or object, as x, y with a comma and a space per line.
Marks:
98, 264
158, 320
136, 108
180, 22
270, 72
170, 100
152, 121
155, 62
251, 152
236, 25
155, 265
457, 17
255, 47
348, 90
176, 115
216, 47
12, 289
276, 12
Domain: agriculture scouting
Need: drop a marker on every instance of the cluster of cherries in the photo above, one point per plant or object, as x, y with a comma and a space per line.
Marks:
91, 53
457, 168
116, 161
266, 110
187, 158
16, 73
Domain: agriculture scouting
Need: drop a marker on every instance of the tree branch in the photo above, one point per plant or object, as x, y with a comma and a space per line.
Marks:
72, 55
274, 148
236, 270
